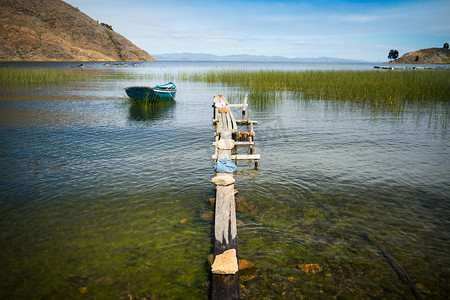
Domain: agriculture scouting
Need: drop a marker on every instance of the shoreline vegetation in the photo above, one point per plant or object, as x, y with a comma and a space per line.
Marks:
11, 76
424, 92
378, 87
395, 89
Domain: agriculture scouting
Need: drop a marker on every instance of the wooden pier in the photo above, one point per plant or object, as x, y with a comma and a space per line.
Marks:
227, 122
225, 266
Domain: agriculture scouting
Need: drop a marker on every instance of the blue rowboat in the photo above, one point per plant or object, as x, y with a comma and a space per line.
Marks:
163, 92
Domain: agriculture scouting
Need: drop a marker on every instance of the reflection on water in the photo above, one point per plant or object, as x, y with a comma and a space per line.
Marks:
152, 111
100, 199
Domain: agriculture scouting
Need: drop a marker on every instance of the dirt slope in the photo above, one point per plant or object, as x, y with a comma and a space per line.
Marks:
55, 30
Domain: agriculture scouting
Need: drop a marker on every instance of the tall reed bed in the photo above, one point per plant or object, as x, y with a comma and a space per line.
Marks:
378, 87
40, 76
34, 76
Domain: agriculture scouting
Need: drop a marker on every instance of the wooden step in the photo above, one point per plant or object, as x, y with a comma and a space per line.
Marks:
240, 143
239, 122
237, 105
241, 156
243, 122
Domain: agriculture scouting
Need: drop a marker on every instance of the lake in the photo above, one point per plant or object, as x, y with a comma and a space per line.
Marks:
101, 199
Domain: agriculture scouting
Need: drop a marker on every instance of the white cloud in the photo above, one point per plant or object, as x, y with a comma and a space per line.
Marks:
294, 29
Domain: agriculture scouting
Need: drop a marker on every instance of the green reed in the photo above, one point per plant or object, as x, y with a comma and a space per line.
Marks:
41, 76
149, 104
33, 76
378, 87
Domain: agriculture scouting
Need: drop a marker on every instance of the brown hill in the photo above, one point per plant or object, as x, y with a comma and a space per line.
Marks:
55, 30
426, 56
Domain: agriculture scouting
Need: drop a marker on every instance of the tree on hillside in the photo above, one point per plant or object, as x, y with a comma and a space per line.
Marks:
106, 26
446, 46
393, 54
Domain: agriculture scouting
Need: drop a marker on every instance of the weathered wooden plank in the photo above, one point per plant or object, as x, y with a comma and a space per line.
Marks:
241, 157
233, 105
244, 143
226, 287
250, 130
226, 135
225, 231
229, 123
243, 122
216, 114
221, 122
224, 122
247, 156
239, 143
233, 120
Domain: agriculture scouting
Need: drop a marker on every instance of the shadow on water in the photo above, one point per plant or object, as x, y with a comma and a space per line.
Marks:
151, 111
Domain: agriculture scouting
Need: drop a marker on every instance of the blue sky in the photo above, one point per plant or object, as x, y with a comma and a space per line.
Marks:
352, 29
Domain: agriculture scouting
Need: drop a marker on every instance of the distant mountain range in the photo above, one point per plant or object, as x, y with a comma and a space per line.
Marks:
243, 57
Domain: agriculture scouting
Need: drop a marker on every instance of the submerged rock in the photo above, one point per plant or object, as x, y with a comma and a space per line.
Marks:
310, 269
207, 216
247, 270
210, 259
212, 202
245, 265
225, 263
243, 206
78, 281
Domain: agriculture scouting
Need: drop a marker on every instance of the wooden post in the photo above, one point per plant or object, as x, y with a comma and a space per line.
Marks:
244, 107
225, 280
250, 131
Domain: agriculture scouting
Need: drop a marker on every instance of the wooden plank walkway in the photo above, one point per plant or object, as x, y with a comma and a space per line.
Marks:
225, 266
228, 122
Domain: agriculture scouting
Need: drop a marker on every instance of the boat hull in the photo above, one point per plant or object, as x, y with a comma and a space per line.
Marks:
157, 93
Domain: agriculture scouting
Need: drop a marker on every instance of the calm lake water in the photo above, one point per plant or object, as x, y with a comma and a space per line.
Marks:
103, 200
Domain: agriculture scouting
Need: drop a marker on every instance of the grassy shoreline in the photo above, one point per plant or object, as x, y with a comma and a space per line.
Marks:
378, 87
25, 76
32, 76
381, 88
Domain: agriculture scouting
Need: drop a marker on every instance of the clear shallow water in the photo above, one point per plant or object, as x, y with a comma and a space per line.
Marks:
100, 199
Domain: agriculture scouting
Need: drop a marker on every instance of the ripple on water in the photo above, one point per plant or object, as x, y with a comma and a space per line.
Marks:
99, 200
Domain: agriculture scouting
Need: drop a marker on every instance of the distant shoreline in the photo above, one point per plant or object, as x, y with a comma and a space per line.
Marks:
73, 61
433, 67
417, 63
